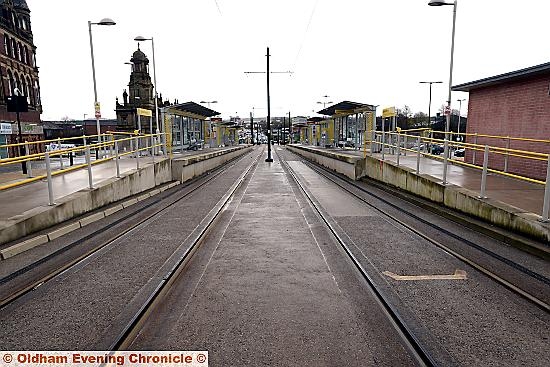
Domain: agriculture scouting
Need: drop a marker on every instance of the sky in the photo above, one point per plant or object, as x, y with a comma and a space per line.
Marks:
367, 51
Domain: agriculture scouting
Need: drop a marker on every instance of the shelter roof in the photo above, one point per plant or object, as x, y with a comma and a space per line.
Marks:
352, 107
314, 119
192, 109
542, 69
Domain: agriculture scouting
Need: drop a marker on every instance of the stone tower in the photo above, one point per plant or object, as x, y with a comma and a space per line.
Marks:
140, 94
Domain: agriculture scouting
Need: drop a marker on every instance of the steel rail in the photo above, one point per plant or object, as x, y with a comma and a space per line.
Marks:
139, 319
515, 289
200, 182
410, 339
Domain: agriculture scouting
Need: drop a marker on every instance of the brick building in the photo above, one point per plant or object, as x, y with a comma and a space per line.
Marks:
515, 104
18, 69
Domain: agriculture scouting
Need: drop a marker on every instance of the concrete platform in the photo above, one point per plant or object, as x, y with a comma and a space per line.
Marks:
511, 204
25, 209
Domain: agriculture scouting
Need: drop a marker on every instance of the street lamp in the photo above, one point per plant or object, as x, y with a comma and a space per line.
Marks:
325, 102
104, 21
460, 115
208, 102
140, 39
430, 104
448, 112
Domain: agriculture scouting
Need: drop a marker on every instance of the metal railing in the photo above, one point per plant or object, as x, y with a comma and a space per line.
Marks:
412, 141
111, 148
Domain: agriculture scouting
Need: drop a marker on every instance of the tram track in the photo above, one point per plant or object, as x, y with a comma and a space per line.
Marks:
358, 191
422, 356
140, 318
133, 220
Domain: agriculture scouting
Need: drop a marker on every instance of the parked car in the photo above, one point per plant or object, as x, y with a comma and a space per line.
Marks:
460, 152
437, 149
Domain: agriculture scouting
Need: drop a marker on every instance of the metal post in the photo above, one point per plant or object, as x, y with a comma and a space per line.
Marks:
60, 155
111, 145
164, 144
484, 174
117, 163
137, 151
398, 147
89, 163
445, 160
546, 205
418, 155
132, 148
49, 177
28, 163
269, 159
95, 86
474, 150
383, 136
507, 155
405, 144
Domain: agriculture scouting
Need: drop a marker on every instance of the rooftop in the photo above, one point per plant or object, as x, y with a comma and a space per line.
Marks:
541, 69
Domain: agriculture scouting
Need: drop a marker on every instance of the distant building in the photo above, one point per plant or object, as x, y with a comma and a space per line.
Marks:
140, 95
515, 104
18, 62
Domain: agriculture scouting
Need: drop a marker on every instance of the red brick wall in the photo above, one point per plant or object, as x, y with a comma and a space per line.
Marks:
516, 109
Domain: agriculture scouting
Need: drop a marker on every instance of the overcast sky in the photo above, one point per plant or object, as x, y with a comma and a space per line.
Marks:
369, 51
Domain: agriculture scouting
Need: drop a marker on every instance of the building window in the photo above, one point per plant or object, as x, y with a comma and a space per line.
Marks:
10, 83
13, 47
26, 55
6, 45
19, 52
28, 91
37, 92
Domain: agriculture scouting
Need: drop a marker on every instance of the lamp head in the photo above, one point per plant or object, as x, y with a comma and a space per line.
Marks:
16, 91
439, 3
106, 21
141, 38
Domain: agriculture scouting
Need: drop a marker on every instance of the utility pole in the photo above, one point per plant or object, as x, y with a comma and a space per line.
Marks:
269, 159
252, 128
289, 128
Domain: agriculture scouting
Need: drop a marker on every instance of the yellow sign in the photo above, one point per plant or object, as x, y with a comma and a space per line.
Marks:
97, 107
389, 112
144, 112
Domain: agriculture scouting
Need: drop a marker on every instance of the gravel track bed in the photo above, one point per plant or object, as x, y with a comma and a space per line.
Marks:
76, 309
479, 322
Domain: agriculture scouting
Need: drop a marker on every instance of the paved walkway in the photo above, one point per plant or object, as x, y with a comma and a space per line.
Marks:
521, 194
20, 199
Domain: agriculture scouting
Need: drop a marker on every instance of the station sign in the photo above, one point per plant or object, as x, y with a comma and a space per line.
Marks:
144, 112
97, 108
389, 112
5, 128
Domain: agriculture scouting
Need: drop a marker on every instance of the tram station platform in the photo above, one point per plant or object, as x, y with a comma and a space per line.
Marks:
26, 208
510, 203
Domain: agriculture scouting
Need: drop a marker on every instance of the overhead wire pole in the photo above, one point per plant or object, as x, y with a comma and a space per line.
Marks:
269, 159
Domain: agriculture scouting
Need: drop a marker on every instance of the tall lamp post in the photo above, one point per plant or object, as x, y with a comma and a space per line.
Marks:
104, 21
430, 103
325, 102
448, 112
141, 39
460, 115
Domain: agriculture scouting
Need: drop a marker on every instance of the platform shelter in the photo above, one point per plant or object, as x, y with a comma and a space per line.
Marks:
346, 124
189, 125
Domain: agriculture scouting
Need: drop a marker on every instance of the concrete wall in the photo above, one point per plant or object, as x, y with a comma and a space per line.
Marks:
114, 189
428, 187
186, 168
349, 166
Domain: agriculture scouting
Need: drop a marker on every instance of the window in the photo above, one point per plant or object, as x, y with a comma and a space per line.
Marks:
26, 55
19, 57
13, 47
6, 44
10, 83
28, 91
